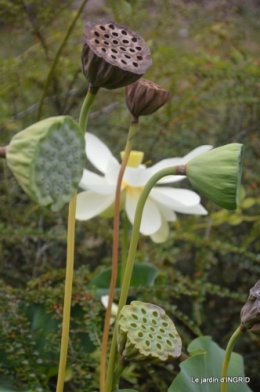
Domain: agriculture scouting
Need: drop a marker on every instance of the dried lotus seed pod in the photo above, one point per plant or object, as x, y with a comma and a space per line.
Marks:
146, 334
145, 97
113, 56
250, 313
48, 159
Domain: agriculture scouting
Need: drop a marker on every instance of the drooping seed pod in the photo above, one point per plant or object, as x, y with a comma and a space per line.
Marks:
250, 313
216, 174
146, 334
145, 97
113, 56
48, 160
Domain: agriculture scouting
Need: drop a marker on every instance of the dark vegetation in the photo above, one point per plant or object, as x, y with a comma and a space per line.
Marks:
207, 53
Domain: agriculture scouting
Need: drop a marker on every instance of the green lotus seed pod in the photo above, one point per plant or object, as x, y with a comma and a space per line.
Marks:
146, 334
216, 174
47, 160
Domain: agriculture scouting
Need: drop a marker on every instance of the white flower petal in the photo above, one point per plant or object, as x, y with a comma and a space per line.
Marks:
151, 218
137, 176
90, 204
174, 197
196, 210
97, 152
194, 153
168, 214
112, 171
114, 309
96, 183
162, 234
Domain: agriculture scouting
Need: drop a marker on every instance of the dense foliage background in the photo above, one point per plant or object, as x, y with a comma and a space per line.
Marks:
207, 53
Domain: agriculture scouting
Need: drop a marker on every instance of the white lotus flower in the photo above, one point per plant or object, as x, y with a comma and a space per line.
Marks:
99, 191
114, 309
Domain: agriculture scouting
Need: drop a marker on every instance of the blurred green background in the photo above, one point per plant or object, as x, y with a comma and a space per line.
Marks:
208, 54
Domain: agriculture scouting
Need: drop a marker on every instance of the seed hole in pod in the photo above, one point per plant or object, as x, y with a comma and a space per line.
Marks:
138, 48
115, 42
140, 334
106, 43
97, 41
154, 322
134, 325
144, 319
57, 192
127, 57
67, 185
114, 50
106, 36
115, 34
111, 26
123, 32
125, 41
143, 310
134, 39
123, 61
123, 49
150, 335
159, 346
159, 337
135, 64
164, 324
169, 343
113, 56
147, 343
152, 329
162, 330
102, 28
103, 49
139, 58
171, 335
132, 50
134, 316
97, 34
143, 327
155, 314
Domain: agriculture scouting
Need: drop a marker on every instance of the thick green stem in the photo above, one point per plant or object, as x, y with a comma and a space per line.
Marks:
131, 133
67, 295
118, 371
56, 58
130, 262
85, 109
232, 341
124, 247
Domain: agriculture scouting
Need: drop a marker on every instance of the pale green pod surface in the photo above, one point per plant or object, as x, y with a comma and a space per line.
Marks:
216, 174
48, 159
146, 334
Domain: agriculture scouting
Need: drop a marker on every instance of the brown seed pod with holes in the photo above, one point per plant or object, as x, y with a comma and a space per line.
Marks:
112, 55
250, 313
145, 97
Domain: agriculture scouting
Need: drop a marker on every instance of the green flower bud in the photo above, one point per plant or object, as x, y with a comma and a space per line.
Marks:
250, 313
146, 334
216, 174
48, 159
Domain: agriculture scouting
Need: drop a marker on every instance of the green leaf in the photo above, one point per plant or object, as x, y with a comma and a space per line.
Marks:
143, 275
205, 362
